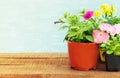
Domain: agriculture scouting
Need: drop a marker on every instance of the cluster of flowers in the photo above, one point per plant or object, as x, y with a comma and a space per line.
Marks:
104, 10
105, 29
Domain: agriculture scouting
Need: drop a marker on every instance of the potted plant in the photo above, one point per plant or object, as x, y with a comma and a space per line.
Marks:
112, 54
111, 44
83, 51
110, 25
111, 47
106, 27
109, 31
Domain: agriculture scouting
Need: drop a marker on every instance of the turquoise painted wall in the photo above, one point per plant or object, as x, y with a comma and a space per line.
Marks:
27, 25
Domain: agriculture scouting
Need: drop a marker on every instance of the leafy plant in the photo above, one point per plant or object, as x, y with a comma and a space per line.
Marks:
112, 46
109, 40
79, 30
113, 20
100, 26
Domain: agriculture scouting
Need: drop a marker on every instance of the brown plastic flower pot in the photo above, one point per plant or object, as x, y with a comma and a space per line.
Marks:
83, 56
112, 62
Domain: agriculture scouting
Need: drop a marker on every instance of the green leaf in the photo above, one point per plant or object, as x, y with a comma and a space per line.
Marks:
63, 27
74, 27
118, 48
89, 38
82, 12
80, 36
71, 34
102, 45
63, 20
109, 52
66, 15
73, 20
112, 48
86, 28
117, 53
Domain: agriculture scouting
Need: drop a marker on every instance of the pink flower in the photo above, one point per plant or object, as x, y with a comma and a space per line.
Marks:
88, 15
111, 30
117, 26
108, 28
100, 36
104, 26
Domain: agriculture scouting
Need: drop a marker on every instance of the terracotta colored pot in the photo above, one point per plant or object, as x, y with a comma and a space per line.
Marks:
83, 56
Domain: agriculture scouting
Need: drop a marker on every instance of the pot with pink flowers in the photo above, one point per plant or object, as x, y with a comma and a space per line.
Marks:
112, 31
84, 36
112, 53
108, 38
110, 47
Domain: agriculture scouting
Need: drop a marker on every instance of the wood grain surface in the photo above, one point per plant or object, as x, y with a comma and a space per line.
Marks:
46, 65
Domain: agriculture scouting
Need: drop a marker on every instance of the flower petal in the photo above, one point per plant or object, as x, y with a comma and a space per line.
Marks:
104, 26
112, 30
100, 36
108, 28
117, 26
88, 15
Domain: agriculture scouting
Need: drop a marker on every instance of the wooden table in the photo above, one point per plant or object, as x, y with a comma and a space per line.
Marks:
46, 65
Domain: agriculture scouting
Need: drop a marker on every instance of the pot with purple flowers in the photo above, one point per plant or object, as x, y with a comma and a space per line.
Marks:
83, 52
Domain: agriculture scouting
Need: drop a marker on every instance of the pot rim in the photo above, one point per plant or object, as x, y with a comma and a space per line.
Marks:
82, 42
111, 55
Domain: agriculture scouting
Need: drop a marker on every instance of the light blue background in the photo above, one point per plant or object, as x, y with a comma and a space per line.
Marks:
27, 25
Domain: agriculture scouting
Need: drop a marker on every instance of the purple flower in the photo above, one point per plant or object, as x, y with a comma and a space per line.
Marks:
88, 15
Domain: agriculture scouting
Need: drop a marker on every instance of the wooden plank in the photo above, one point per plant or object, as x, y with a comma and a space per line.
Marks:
46, 65
33, 55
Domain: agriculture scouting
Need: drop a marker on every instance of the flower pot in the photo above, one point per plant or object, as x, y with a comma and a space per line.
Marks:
83, 56
112, 62
102, 55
